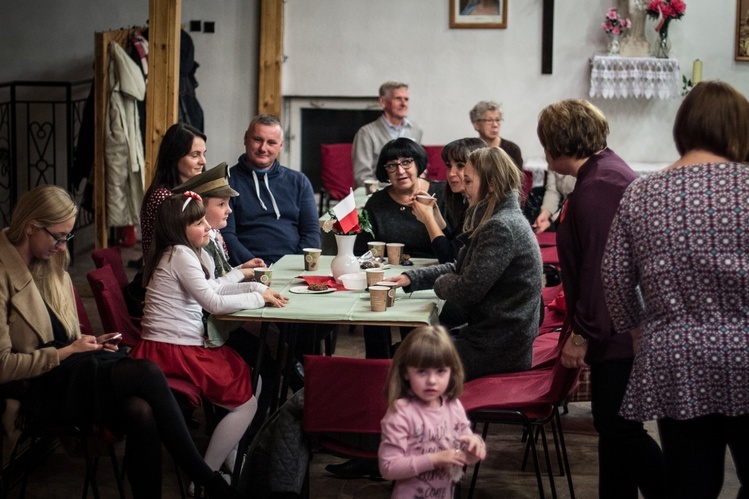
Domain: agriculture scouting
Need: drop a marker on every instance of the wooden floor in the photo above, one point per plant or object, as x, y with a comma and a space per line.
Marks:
61, 476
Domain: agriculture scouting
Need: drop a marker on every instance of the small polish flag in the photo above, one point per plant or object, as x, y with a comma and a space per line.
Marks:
660, 21
345, 212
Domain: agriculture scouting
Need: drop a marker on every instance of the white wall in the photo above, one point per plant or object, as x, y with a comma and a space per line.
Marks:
227, 75
349, 47
52, 40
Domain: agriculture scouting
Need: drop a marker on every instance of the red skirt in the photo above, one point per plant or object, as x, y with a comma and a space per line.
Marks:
223, 377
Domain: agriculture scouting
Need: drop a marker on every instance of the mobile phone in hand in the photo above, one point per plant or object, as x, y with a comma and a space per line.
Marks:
109, 339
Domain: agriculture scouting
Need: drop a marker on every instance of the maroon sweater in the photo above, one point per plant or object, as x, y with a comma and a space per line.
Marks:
581, 238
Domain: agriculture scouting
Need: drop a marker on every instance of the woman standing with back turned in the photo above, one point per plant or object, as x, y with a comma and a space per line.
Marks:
574, 135
675, 277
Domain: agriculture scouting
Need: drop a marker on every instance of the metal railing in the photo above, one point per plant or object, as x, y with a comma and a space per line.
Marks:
39, 125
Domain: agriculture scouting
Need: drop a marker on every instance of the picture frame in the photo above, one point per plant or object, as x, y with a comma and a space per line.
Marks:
472, 14
741, 49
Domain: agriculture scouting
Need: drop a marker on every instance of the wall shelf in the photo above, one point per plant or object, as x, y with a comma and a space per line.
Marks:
634, 77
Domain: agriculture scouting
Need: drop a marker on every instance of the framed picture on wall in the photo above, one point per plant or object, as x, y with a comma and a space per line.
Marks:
742, 30
482, 13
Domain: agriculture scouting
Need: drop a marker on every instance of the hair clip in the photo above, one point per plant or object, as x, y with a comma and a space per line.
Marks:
190, 195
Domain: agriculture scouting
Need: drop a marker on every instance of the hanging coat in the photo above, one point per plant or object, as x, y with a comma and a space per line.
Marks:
123, 146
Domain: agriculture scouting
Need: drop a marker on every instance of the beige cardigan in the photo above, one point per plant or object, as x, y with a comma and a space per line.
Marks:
24, 325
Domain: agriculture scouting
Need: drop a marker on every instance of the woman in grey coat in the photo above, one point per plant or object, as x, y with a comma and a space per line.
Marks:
496, 279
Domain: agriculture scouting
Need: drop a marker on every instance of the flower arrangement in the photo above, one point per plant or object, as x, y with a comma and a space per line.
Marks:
664, 11
332, 225
614, 24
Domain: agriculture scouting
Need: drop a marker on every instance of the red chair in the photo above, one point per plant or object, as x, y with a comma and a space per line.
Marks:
344, 395
550, 260
114, 318
527, 186
111, 305
336, 173
545, 349
83, 319
555, 311
112, 257
546, 239
530, 399
436, 169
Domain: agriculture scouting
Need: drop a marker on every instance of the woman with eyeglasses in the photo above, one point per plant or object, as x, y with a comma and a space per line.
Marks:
486, 117
390, 210
391, 213
64, 377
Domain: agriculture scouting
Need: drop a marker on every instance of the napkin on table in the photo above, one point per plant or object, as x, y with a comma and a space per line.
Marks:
322, 279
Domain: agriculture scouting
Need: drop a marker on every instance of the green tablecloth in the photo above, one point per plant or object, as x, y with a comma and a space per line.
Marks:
347, 307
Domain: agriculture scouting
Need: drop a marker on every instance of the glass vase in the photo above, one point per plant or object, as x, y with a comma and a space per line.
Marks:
614, 46
344, 262
662, 48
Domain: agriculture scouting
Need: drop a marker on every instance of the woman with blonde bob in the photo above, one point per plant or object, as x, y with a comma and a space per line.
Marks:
74, 378
496, 279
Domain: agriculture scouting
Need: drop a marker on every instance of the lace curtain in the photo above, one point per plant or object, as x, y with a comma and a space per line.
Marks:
634, 77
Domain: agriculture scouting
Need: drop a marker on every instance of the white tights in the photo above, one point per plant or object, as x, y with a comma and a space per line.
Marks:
229, 431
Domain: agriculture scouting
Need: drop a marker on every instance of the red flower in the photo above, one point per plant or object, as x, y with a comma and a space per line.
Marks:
671, 9
679, 7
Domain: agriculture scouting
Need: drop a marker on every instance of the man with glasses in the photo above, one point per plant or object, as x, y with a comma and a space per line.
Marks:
486, 117
392, 124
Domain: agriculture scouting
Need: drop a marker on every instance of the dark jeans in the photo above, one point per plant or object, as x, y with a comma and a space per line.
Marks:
695, 453
628, 457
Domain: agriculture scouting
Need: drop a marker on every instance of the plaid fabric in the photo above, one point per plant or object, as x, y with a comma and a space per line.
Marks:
582, 394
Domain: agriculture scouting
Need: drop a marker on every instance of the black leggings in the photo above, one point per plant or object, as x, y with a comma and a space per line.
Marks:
695, 453
148, 413
628, 457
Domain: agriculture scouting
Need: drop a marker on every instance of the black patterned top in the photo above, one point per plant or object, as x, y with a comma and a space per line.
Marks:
682, 235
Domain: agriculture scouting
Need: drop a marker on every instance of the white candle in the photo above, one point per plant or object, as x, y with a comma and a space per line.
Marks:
696, 72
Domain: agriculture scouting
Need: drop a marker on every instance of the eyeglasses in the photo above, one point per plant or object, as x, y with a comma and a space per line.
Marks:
490, 120
406, 164
59, 240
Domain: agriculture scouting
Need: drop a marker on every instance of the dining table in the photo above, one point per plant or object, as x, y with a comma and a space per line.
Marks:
334, 306
340, 306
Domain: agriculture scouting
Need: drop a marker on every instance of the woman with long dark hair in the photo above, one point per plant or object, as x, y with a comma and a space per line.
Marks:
446, 246
181, 157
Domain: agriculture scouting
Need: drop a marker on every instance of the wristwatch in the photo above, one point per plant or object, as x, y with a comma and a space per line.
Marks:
578, 340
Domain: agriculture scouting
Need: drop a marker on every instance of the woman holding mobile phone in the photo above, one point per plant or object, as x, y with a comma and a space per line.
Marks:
76, 378
109, 339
